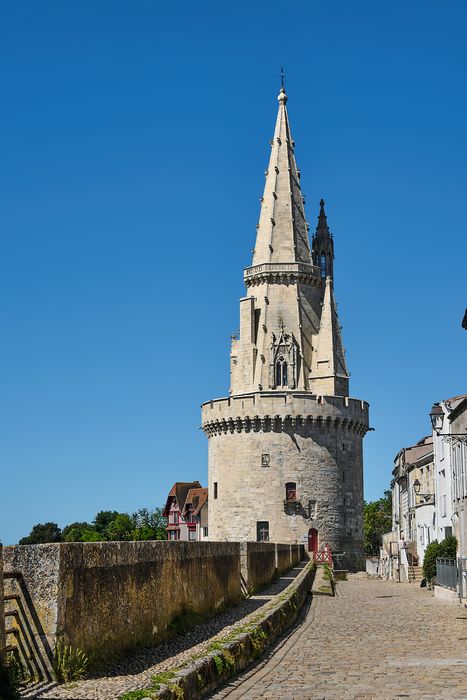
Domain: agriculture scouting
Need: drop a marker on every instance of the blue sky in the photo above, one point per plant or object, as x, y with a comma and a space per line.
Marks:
134, 138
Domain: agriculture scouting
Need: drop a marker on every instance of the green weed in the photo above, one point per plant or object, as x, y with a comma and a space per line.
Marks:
69, 664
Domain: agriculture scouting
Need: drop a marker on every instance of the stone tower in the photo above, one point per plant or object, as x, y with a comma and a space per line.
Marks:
285, 448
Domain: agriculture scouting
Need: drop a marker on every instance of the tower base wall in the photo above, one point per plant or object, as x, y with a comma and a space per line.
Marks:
283, 465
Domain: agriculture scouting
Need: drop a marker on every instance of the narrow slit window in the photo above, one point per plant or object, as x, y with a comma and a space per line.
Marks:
323, 265
281, 372
215, 489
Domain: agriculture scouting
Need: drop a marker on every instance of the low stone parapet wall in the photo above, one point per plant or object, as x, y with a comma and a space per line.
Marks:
261, 561
107, 597
2, 610
258, 564
447, 595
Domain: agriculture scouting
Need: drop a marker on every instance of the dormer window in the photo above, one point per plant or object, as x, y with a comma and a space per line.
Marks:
281, 371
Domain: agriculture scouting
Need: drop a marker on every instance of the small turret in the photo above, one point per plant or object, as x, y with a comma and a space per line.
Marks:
323, 245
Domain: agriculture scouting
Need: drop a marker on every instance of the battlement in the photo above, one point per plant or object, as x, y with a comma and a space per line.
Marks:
283, 411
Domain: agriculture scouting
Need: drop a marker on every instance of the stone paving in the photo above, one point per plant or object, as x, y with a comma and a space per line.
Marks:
136, 670
374, 640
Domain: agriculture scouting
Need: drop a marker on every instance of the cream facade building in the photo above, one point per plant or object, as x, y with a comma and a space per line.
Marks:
285, 447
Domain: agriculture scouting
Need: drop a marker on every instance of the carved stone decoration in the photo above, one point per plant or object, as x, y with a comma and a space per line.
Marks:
284, 350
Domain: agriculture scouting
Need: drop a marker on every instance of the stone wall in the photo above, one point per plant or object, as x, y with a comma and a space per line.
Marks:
258, 561
298, 553
261, 561
2, 609
107, 597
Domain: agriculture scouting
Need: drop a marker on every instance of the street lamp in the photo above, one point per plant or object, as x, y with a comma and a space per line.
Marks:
416, 487
437, 420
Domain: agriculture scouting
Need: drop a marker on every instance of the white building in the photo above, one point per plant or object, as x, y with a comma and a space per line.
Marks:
450, 450
413, 498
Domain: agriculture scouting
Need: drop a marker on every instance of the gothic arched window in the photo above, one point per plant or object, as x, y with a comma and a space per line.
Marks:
323, 265
281, 371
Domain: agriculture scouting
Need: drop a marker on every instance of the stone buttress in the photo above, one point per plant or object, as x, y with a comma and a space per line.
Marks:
285, 448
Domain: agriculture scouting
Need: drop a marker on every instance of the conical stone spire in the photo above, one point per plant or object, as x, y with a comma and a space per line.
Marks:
282, 229
329, 375
289, 333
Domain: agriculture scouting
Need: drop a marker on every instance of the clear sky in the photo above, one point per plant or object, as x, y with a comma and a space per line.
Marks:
134, 138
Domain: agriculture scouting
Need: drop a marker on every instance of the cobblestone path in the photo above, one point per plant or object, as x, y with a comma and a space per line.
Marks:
135, 671
375, 640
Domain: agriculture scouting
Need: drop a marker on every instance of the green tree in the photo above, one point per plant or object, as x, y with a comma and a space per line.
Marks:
81, 532
102, 521
120, 528
91, 536
377, 520
73, 532
43, 533
149, 524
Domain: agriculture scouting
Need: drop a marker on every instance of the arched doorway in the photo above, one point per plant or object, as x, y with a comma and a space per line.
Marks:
313, 540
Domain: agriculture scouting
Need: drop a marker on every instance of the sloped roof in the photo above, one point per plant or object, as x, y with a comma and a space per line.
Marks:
454, 400
197, 498
180, 491
460, 408
413, 453
421, 449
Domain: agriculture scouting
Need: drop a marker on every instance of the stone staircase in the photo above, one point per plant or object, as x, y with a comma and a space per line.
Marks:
415, 574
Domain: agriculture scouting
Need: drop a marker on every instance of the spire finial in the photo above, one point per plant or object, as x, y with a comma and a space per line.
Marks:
282, 97
322, 221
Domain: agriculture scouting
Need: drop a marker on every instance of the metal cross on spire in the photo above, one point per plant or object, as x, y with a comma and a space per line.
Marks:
282, 78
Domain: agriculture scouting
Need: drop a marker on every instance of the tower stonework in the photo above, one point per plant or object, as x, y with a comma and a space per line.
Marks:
285, 448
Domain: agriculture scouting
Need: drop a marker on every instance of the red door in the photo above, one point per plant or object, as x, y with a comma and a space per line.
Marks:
313, 540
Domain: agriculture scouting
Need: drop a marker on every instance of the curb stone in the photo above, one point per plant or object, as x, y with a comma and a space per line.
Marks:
238, 649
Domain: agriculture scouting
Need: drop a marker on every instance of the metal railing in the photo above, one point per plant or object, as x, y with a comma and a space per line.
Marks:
462, 568
446, 572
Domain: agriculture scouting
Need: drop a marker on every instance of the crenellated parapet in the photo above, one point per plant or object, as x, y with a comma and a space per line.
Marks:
284, 412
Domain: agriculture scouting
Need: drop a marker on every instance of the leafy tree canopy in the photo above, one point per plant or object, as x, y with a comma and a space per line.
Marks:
103, 519
120, 527
377, 521
144, 524
42, 533
71, 533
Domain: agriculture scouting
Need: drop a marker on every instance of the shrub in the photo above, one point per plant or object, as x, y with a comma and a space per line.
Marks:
446, 548
12, 678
